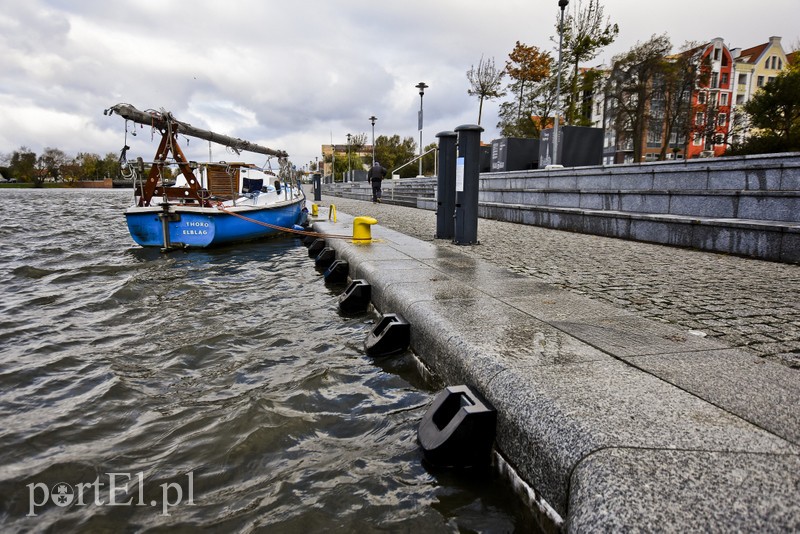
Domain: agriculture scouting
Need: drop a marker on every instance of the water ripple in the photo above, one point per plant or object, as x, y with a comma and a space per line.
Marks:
231, 367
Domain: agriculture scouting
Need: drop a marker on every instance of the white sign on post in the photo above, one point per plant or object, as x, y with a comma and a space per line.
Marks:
460, 174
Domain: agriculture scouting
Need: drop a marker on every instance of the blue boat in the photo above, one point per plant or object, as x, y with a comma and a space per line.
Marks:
259, 211
209, 204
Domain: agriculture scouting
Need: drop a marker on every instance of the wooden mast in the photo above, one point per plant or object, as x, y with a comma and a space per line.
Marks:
166, 121
170, 128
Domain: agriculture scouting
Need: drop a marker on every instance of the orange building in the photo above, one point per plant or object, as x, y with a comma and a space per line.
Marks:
709, 122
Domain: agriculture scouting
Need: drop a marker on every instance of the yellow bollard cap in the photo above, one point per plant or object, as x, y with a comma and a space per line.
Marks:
361, 228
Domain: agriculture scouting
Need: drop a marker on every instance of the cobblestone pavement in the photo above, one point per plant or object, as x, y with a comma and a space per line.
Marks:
747, 303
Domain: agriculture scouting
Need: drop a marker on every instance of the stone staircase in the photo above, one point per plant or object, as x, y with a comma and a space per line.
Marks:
745, 205
407, 192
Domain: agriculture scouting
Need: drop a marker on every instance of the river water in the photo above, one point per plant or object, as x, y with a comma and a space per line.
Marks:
215, 391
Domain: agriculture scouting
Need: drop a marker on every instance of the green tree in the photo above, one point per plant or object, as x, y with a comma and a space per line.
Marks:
23, 165
590, 81
429, 159
775, 111
89, 166
110, 166
585, 33
485, 82
392, 152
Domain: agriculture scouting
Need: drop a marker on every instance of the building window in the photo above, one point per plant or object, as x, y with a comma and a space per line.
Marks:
698, 118
701, 97
724, 79
739, 99
719, 139
760, 81
698, 140
742, 79
780, 63
770, 79
714, 80
723, 99
722, 119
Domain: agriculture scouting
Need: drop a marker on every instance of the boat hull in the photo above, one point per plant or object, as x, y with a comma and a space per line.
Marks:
195, 227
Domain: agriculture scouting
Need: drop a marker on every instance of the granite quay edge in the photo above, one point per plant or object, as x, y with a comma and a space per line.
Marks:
573, 379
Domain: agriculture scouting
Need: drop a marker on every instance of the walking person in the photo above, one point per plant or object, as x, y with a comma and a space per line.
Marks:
374, 176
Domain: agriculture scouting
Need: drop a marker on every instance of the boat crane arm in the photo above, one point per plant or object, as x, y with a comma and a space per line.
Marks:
166, 121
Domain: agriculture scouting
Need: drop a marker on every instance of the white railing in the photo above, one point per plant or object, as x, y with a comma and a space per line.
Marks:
435, 162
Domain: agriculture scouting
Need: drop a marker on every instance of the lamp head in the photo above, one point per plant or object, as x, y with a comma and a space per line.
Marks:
421, 86
562, 4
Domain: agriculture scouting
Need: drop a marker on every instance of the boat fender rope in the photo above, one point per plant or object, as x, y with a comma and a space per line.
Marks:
221, 207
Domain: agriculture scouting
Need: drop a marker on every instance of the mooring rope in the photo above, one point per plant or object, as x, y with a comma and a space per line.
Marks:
289, 230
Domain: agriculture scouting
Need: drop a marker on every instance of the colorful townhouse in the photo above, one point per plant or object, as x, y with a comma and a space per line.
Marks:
727, 79
753, 68
709, 121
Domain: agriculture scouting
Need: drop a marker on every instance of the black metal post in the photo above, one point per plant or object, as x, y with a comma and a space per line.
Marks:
349, 169
372, 119
446, 185
467, 180
317, 183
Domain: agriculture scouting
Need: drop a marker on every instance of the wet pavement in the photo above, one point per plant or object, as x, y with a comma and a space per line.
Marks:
615, 418
745, 303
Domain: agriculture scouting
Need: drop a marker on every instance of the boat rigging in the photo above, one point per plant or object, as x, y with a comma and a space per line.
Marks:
229, 202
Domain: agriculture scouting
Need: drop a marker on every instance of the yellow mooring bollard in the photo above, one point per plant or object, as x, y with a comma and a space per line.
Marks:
332, 213
314, 210
362, 233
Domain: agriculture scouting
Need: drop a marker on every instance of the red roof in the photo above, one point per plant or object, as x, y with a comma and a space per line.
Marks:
751, 55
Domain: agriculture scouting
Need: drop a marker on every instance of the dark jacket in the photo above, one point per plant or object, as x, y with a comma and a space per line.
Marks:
376, 174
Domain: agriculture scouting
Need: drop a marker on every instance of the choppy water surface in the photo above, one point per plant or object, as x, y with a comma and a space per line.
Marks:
216, 391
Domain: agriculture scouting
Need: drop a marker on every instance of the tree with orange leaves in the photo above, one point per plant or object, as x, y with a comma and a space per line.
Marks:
529, 69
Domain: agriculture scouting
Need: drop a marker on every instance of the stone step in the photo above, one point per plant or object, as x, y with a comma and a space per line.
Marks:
757, 205
776, 172
769, 240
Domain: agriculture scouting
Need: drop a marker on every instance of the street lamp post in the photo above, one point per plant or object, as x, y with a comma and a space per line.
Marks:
421, 86
348, 158
372, 120
562, 4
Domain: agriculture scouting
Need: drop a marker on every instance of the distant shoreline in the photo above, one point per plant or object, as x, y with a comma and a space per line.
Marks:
98, 184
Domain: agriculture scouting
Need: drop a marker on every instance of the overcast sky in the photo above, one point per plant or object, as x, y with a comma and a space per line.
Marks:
294, 75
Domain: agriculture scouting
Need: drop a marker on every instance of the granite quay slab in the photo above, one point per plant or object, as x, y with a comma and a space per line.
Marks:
749, 304
617, 421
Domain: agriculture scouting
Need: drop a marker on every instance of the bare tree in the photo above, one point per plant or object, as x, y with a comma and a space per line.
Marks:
680, 74
632, 87
485, 82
